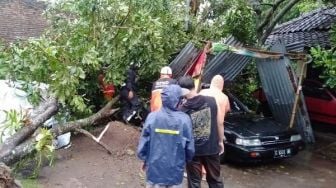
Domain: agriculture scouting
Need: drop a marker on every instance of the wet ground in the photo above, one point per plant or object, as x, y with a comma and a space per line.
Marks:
87, 165
313, 168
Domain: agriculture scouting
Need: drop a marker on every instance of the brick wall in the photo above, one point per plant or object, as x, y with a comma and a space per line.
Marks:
21, 19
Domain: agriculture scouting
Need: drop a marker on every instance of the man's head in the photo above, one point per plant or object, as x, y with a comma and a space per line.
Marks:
166, 72
188, 86
217, 82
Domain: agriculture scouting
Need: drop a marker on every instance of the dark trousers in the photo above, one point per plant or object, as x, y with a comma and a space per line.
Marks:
211, 164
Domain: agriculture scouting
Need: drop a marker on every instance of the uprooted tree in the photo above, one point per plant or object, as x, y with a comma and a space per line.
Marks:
89, 37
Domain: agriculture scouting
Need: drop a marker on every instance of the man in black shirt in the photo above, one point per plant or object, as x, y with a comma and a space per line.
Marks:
203, 113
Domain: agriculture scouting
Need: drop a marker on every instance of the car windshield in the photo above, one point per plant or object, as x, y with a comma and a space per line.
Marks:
236, 105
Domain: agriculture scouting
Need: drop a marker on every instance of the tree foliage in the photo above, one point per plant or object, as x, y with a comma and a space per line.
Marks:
326, 58
87, 37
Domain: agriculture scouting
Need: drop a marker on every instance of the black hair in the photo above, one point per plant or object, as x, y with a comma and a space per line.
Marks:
186, 82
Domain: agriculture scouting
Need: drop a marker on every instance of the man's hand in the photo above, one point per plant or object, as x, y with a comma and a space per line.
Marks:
221, 147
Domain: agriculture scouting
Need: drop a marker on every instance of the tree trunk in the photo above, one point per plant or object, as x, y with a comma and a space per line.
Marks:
46, 110
276, 19
19, 152
269, 14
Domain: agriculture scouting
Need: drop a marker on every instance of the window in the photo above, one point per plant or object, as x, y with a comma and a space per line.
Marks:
316, 92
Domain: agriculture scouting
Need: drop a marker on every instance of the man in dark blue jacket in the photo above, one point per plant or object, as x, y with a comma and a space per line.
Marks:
166, 143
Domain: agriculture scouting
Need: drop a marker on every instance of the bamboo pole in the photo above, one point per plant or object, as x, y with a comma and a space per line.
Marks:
298, 90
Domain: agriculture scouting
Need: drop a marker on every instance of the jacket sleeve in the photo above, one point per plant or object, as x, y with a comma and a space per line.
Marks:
144, 146
190, 145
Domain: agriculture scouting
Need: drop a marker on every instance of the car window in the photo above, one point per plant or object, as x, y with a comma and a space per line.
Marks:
333, 92
311, 84
316, 92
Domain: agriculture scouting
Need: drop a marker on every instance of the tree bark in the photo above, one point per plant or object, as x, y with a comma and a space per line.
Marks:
19, 152
276, 19
46, 110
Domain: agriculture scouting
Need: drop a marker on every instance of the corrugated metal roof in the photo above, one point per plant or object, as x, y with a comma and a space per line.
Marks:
280, 94
227, 64
308, 30
184, 59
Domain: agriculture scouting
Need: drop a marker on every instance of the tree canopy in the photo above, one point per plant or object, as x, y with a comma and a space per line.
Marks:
88, 37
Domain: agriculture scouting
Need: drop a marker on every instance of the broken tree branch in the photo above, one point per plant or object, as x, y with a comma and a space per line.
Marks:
88, 134
39, 116
105, 112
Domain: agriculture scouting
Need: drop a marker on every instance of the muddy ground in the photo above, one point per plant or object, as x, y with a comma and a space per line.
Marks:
85, 164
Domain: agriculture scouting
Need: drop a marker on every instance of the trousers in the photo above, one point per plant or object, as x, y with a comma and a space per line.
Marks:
211, 164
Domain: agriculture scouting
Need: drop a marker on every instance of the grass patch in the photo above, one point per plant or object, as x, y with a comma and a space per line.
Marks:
29, 183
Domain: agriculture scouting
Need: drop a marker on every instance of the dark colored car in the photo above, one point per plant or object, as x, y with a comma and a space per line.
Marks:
320, 101
251, 138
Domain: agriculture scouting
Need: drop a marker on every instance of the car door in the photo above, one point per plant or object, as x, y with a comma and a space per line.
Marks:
320, 102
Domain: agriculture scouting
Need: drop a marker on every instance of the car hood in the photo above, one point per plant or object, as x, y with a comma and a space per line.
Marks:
254, 126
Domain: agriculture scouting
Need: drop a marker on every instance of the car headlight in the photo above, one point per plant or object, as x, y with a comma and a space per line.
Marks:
295, 138
248, 142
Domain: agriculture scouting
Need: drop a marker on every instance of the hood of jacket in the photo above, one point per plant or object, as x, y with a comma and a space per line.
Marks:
171, 96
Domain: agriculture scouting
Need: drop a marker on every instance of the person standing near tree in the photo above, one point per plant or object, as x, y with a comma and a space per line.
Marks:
166, 142
128, 94
164, 80
208, 143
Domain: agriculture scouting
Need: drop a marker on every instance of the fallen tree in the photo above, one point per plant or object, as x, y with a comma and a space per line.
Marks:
42, 113
23, 142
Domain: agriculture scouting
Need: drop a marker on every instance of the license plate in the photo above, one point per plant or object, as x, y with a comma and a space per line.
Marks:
281, 153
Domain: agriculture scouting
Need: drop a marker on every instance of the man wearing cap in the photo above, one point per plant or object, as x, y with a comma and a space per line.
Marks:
164, 80
208, 144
